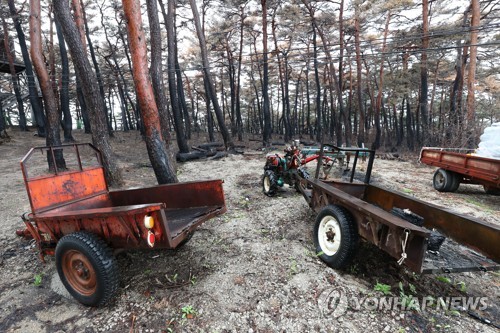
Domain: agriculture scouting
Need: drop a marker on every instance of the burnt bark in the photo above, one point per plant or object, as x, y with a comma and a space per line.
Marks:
172, 85
52, 130
359, 83
208, 78
265, 79
36, 104
424, 85
96, 67
90, 90
66, 121
157, 150
471, 77
15, 80
156, 70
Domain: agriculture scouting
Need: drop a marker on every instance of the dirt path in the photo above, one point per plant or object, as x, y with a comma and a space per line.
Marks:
253, 269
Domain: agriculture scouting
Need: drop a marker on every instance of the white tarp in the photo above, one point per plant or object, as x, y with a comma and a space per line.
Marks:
489, 146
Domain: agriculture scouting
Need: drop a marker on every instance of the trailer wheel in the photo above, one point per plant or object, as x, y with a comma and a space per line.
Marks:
87, 268
445, 181
269, 183
335, 236
491, 190
456, 180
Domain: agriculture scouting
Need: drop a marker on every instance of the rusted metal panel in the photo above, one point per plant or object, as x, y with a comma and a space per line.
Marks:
174, 196
480, 169
375, 224
49, 192
479, 235
64, 202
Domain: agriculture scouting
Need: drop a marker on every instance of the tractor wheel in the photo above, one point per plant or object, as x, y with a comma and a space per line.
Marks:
269, 183
445, 181
301, 174
491, 190
87, 268
335, 236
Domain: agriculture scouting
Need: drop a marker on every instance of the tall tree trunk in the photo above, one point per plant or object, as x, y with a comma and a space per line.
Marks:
239, 122
67, 123
283, 78
331, 66
208, 77
15, 79
96, 66
52, 130
378, 105
90, 90
156, 70
319, 132
359, 83
265, 84
158, 154
36, 105
471, 77
172, 85
424, 86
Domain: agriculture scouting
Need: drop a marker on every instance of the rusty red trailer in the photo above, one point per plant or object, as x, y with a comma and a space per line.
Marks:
398, 224
76, 217
458, 166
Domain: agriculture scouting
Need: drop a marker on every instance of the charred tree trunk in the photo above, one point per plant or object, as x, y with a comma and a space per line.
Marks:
67, 123
96, 67
239, 122
265, 83
359, 84
158, 154
319, 134
471, 77
208, 77
15, 80
378, 105
156, 70
172, 85
424, 85
36, 105
52, 131
90, 90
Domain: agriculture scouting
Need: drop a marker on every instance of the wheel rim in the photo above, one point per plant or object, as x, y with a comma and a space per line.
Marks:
267, 184
439, 179
329, 235
79, 272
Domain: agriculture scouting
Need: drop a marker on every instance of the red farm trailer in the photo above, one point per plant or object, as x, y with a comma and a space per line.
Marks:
458, 166
75, 217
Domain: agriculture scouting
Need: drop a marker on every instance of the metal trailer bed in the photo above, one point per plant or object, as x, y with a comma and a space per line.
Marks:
75, 217
348, 210
458, 166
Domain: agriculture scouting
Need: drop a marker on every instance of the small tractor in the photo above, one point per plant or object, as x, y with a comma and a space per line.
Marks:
288, 169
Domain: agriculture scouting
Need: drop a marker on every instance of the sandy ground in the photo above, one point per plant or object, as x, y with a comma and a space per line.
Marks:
253, 269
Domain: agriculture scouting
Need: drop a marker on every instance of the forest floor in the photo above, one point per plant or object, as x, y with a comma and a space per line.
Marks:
253, 269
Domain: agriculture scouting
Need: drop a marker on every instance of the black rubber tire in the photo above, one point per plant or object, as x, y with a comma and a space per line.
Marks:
443, 180
269, 183
349, 238
455, 183
102, 261
301, 173
491, 190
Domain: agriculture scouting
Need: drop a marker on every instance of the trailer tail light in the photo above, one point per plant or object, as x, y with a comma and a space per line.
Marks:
151, 239
149, 222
